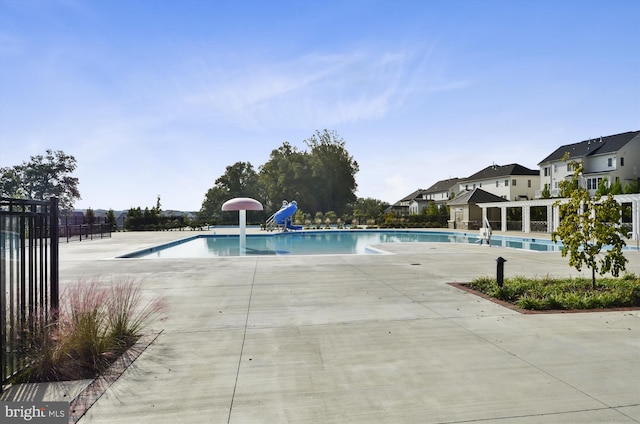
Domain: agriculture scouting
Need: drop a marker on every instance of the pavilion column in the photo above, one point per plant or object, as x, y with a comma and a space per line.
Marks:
526, 219
635, 219
556, 218
503, 218
550, 227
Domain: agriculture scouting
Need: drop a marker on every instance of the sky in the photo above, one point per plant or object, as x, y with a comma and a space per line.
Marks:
157, 97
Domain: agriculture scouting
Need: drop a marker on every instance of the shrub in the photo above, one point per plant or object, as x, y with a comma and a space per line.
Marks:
95, 326
578, 293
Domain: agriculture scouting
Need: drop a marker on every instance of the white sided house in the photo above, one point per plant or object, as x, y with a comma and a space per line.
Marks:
604, 159
509, 182
442, 191
413, 203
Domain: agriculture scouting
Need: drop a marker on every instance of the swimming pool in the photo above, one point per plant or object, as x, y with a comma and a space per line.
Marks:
325, 242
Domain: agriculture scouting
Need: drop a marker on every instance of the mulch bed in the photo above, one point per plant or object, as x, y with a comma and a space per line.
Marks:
90, 395
463, 286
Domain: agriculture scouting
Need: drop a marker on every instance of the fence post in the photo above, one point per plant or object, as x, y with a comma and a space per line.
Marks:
55, 300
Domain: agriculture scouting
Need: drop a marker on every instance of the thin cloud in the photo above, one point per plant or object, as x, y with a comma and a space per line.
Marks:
317, 89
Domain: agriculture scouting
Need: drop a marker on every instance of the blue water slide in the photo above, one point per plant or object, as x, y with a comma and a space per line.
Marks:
283, 216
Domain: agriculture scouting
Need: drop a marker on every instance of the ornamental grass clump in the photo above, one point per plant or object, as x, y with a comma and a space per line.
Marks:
126, 314
97, 323
563, 294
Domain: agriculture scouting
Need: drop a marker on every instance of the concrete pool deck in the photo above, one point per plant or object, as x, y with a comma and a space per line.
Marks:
359, 339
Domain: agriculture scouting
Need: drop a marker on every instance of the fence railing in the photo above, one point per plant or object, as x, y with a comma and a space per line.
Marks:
28, 276
84, 232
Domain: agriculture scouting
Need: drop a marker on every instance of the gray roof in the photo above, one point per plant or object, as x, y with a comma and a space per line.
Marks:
443, 185
477, 195
497, 171
590, 147
416, 194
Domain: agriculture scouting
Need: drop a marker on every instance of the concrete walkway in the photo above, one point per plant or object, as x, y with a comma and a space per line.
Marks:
360, 339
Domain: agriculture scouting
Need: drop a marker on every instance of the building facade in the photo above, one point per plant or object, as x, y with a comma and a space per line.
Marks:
604, 160
509, 182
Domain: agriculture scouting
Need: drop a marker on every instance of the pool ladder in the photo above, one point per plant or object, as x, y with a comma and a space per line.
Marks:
271, 223
485, 232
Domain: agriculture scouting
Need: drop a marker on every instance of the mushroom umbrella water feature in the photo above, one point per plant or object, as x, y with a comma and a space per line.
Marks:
242, 205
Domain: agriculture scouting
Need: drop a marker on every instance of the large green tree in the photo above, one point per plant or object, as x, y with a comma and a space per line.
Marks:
590, 228
285, 176
333, 171
320, 179
43, 177
366, 209
239, 180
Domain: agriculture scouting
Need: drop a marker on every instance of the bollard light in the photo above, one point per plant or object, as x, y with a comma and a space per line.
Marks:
500, 271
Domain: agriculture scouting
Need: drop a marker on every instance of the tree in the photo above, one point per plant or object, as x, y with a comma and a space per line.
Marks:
616, 187
239, 180
10, 183
632, 187
42, 178
111, 219
587, 226
603, 188
320, 179
285, 176
333, 172
368, 208
90, 216
546, 193
431, 212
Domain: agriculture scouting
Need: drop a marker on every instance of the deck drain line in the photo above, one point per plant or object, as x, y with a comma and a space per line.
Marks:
244, 336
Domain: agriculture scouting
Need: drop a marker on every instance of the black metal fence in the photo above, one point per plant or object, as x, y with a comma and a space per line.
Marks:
28, 275
84, 232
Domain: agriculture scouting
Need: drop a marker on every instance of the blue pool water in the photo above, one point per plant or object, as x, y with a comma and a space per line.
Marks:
322, 243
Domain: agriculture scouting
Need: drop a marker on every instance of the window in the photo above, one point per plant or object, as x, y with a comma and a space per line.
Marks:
529, 183
513, 182
506, 183
497, 184
546, 171
621, 161
610, 162
466, 186
569, 167
474, 186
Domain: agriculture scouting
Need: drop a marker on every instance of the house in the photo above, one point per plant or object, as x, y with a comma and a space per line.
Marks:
611, 158
509, 182
442, 191
413, 203
464, 212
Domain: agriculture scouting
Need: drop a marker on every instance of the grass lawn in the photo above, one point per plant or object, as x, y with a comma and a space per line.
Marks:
562, 294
